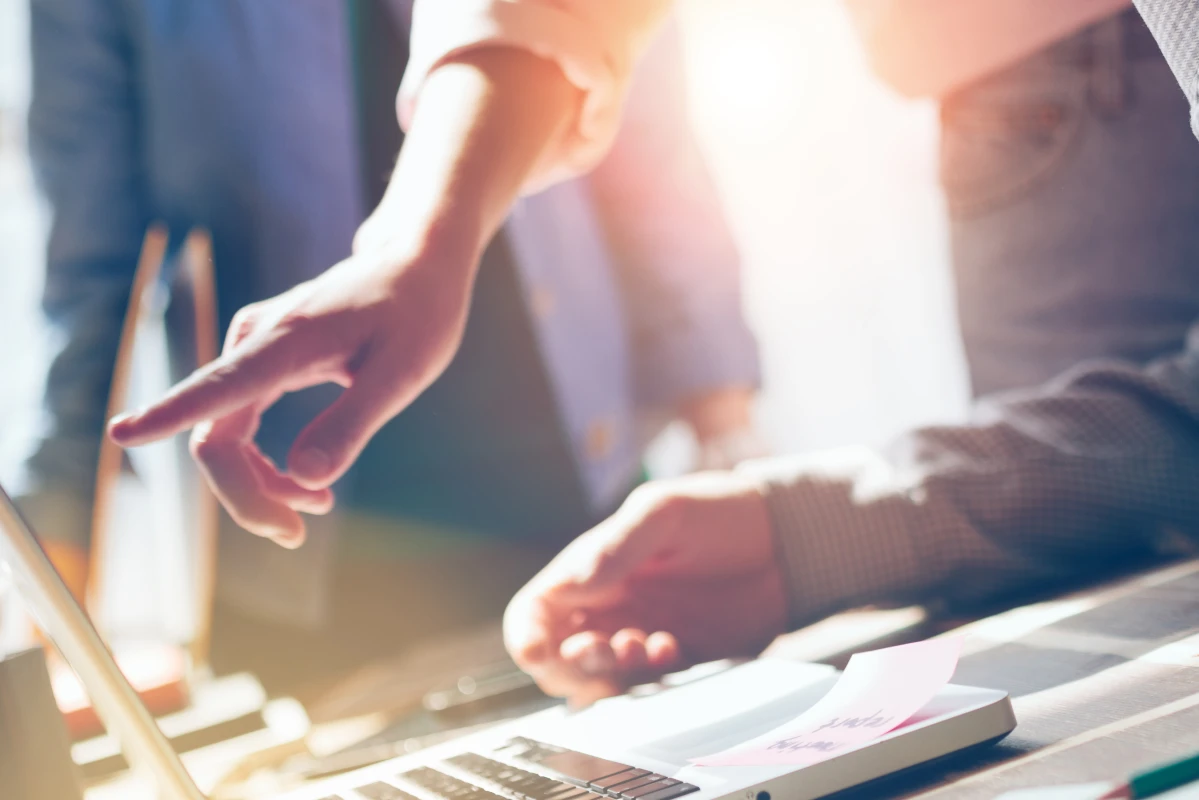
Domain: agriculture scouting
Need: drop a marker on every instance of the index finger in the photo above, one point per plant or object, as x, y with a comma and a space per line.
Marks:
233, 381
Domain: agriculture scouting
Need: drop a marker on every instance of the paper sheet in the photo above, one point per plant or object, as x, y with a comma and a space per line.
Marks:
878, 691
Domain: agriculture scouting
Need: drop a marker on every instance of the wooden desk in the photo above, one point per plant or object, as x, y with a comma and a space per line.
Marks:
1104, 680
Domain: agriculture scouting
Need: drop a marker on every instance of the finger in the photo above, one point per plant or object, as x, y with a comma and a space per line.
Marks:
282, 488
662, 652
597, 673
628, 645
533, 633
529, 630
330, 444
221, 451
590, 654
634, 665
238, 379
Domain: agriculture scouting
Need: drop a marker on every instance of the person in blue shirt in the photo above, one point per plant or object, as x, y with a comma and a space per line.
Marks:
272, 125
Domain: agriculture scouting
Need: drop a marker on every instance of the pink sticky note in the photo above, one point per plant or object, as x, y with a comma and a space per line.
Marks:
875, 694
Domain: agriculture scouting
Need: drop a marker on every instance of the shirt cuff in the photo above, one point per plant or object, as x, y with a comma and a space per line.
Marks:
594, 44
850, 533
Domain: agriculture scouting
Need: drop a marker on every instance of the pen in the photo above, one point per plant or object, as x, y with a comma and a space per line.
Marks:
1158, 779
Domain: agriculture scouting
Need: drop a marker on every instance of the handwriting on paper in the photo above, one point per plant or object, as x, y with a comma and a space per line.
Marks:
875, 694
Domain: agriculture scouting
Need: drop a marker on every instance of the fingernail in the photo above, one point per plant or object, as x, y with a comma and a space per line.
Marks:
288, 540
595, 662
120, 420
311, 464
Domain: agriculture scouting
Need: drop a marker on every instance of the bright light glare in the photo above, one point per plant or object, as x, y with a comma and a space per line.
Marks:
744, 68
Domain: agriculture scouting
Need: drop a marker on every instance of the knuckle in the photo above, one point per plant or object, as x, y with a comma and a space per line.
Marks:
297, 322
242, 324
203, 449
244, 316
658, 499
529, 652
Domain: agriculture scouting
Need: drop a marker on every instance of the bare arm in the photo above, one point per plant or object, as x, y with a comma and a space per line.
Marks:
484, 122
385, 322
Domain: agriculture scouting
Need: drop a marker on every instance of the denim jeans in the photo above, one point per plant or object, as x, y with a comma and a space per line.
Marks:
1072, 180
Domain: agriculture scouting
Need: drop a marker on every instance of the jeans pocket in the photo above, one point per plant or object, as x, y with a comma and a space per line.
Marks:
1002, 138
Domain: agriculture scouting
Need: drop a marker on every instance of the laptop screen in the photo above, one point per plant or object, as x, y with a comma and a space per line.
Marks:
66, 623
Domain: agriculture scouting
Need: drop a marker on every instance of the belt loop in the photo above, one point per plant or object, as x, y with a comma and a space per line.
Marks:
1109, 64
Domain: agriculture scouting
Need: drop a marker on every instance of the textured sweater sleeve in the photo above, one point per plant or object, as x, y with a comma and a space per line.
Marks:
1175, 25
1097, 466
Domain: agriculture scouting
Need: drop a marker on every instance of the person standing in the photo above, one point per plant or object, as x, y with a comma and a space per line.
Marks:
273, 126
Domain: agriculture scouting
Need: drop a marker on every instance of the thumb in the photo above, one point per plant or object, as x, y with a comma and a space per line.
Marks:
333, 441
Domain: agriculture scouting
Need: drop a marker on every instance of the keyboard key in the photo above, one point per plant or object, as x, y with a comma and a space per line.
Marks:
543, 789
670, 792
382, 791
650, 787
525, 784
447, 786
623, 789
589, 777
581, 768
620, 777
579, 794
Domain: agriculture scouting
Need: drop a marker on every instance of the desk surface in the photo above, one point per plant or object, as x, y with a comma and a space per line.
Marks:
1103, 681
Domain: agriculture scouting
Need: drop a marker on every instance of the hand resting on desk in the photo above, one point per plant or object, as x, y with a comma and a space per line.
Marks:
684, 572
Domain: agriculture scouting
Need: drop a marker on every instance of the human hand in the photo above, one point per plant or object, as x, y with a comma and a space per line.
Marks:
684, 572
384, 324
722, 421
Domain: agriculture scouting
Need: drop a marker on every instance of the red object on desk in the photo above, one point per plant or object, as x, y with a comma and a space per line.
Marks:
157, 672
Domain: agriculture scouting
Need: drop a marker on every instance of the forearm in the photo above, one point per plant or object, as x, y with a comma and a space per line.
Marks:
484, 122
1077, 475
931, 47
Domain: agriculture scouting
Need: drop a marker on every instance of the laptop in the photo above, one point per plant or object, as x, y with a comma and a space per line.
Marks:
636, 747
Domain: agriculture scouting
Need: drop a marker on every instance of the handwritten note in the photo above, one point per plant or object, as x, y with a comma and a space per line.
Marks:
876, 693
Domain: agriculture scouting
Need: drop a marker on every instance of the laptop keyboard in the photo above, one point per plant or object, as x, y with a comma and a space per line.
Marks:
555, 774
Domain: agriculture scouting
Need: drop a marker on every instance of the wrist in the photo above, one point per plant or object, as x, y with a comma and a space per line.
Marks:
400, 227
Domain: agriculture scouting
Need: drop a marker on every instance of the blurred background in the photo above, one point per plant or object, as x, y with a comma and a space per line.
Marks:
829, 181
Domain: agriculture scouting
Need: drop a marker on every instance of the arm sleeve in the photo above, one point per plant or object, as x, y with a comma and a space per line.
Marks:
595, 43
677, 263
1175, 25
84, 145
1095, 467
